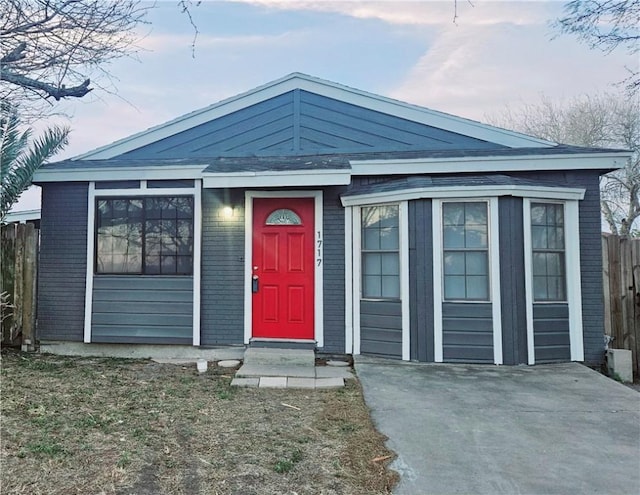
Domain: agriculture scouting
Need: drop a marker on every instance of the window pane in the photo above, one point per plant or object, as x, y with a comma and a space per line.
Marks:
390, 264
477, 264
390, 286
475, 214
389, 238
540, 288
371, 239
371, 286
476, 236
477, 287
538, 214
370, 216
453, 236
454, 287
554, 264
539, 264
453, 214
372, 264
539, 237
454, 263
388, 216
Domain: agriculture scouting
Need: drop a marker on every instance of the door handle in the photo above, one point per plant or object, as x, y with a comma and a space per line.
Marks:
254, 284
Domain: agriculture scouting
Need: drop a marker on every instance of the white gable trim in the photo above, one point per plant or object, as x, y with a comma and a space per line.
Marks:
581, 161
466, 192
322, 87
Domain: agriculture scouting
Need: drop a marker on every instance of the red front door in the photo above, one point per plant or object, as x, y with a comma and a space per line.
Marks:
282, 268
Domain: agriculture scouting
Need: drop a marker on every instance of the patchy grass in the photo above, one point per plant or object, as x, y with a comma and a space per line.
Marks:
113, 426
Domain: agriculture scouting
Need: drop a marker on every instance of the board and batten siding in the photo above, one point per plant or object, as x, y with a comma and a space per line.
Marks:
137, 309
63, 261
512, 282
381, 328
421, 280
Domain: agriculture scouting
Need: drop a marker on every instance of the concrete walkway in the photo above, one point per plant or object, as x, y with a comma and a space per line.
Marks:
470, 429
287, 368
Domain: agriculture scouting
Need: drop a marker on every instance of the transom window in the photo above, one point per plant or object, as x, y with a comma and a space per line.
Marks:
465, 251
283, 217
380, 252
548, 252
149, 236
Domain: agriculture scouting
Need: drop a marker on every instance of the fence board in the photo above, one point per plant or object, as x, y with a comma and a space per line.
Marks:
19, 259
621, 280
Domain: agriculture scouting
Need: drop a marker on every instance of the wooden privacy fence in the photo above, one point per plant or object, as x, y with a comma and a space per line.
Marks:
621, 277
19, 258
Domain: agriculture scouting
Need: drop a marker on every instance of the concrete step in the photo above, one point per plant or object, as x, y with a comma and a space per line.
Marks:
279, 357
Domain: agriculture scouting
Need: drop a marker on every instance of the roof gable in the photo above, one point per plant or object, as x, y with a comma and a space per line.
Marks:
300, 123
299, 114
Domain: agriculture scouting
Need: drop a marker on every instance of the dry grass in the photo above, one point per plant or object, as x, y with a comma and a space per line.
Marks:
105, 426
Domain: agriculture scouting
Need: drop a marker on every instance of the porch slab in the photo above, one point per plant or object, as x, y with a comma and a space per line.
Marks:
329, 383
279, 357
301, 383
258, 370
329, 372
245, 382
273, 382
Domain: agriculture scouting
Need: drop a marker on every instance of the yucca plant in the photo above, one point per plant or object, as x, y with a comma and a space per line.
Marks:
20, 156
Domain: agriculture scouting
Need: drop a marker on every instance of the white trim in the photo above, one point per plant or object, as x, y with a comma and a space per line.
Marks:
455, 192
357, 282
197, 259
572, 278
143, 191
292, 178
528, 279
436, 233
22, 216
494, 268
404, 279
88, 297
574, 290
581, 161
348, 280
157, 172
323, 88
319, 252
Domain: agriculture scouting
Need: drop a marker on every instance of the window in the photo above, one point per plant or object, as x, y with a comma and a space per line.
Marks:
548, 251
380, 252
465, 251
148, 236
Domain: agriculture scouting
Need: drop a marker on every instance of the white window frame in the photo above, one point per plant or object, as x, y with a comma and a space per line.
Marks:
143, 190
572, 276
353, 275
493, 238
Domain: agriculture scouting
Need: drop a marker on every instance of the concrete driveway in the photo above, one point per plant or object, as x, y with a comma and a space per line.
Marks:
470, 429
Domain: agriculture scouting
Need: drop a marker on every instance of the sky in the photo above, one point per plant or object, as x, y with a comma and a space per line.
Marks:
495, 54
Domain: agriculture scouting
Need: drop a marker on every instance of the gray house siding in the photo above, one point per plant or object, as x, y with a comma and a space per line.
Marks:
142, 309
421, 280
551, 332
334, 271
63, 261
467, 332
512, 283
299, 122
381, 328
222, 277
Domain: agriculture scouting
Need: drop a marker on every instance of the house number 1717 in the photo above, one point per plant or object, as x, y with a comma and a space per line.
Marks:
319, 248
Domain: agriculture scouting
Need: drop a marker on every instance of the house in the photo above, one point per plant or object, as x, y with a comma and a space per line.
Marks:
307, 211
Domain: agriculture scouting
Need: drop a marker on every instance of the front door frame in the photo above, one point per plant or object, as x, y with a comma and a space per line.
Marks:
318, 323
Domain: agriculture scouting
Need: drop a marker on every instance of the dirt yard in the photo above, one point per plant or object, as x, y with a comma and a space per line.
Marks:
107, 426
